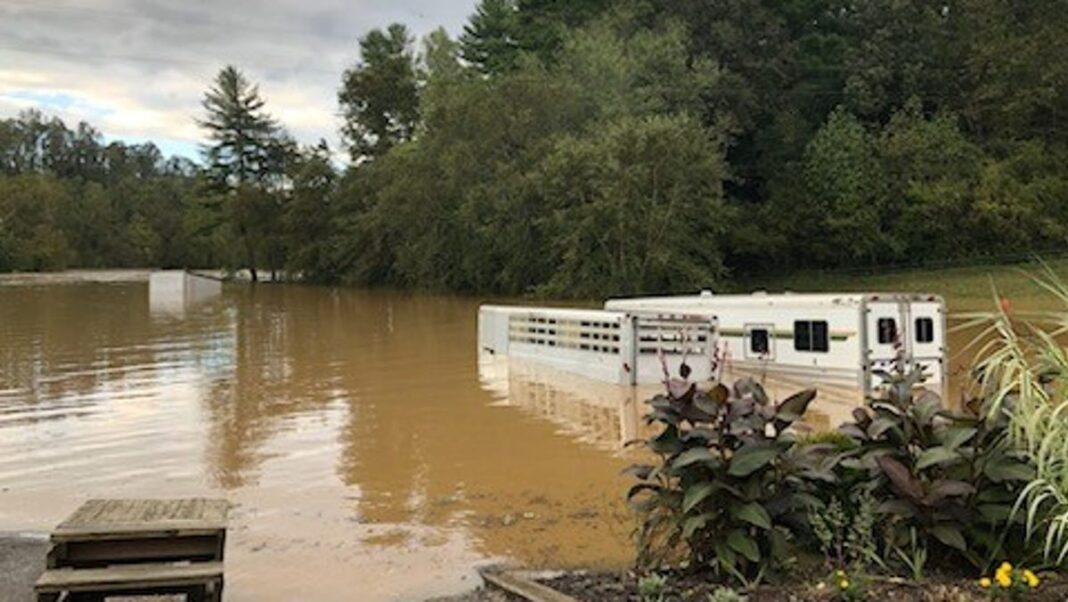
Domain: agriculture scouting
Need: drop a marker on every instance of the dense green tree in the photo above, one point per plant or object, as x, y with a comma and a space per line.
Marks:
490, 41
588, 147
543, 24
846, 215
69, 200
637, 207
308, 215
379, 96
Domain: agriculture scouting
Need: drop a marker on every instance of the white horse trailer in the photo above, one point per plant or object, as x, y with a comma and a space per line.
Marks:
837, 343
621, 347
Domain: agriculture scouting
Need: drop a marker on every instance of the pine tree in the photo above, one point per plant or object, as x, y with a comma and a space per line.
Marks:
379, 97
246, 161
489, 40
245, 138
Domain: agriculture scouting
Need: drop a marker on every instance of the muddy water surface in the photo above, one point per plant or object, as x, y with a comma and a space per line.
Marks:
365, 458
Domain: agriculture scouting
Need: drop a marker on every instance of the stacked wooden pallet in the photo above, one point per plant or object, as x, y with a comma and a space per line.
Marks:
138, 547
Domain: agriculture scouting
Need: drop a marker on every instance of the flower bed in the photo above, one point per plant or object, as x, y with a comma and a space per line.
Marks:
625, 587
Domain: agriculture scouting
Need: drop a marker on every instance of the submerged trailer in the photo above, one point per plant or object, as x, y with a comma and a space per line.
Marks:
620, 347
838, 343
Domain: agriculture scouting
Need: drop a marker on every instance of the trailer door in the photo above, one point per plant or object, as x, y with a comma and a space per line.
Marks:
927, 343
886, 336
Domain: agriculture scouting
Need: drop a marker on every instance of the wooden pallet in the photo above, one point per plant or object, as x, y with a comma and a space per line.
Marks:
128, 547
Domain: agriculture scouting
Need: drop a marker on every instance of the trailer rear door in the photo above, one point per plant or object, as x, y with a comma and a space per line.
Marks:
886, 334
927, 343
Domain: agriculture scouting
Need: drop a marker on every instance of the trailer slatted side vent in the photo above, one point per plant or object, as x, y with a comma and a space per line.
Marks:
673, 335
584, 335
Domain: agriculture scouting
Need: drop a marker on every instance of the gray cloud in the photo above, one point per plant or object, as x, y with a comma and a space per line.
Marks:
137, 68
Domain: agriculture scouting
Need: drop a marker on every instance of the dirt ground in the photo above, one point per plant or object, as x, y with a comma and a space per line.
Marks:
22, 558
614, 587
480, 595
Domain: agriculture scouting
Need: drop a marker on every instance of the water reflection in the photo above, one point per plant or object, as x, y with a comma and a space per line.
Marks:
602, 414
175, 292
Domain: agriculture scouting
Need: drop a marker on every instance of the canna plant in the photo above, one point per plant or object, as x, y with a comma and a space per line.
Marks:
730, 482
944, 481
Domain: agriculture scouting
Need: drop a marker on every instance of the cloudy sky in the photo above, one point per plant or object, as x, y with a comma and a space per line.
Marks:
137, 69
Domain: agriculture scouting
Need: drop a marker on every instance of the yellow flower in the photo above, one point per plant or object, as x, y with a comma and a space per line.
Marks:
1031, 578
1005, 567
984, 582
840, 574
844, 584
1004, 579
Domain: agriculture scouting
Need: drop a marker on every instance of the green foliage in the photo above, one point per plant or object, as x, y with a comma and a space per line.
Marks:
69, 200
823, 135
730, 480
637, 207
490, 41
540, 181
378, 97
944, 482
847, 538
726, 594
246, 144
651, 588
846, 587
1023, 364
247, 161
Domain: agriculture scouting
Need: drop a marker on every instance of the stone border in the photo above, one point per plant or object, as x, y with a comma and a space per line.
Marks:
522, 584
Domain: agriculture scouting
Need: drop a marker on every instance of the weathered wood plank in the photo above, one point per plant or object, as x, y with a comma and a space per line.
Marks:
516, 582
129, 577
113, 518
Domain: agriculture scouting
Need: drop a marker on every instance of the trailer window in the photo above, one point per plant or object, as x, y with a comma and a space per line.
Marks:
924, 330
759, 342
811, 336
887, 331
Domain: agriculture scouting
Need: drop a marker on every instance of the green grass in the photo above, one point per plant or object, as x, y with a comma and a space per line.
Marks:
964, 288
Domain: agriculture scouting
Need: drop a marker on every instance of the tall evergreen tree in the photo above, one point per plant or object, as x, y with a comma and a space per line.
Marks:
244, 138
489, 41
379, 97
246, 161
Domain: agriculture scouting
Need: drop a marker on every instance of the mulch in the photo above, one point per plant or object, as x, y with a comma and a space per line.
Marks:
623, 587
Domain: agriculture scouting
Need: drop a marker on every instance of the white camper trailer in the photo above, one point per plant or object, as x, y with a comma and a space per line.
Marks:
837, 343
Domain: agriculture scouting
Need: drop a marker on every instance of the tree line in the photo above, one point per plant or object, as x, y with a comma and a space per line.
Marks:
590, 147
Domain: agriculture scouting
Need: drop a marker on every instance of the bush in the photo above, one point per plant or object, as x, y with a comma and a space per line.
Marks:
731, 481
943, 481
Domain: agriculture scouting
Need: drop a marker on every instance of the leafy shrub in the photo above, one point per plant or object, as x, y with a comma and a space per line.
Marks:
943, 480
730, 481
726, 594
846, 533
651, 588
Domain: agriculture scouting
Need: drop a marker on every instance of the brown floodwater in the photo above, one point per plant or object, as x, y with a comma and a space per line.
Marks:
367, 452
364, 456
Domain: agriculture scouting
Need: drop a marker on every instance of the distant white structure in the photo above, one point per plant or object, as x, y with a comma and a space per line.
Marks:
172, 292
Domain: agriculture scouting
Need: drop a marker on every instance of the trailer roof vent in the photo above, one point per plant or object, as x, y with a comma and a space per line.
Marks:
706, 293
